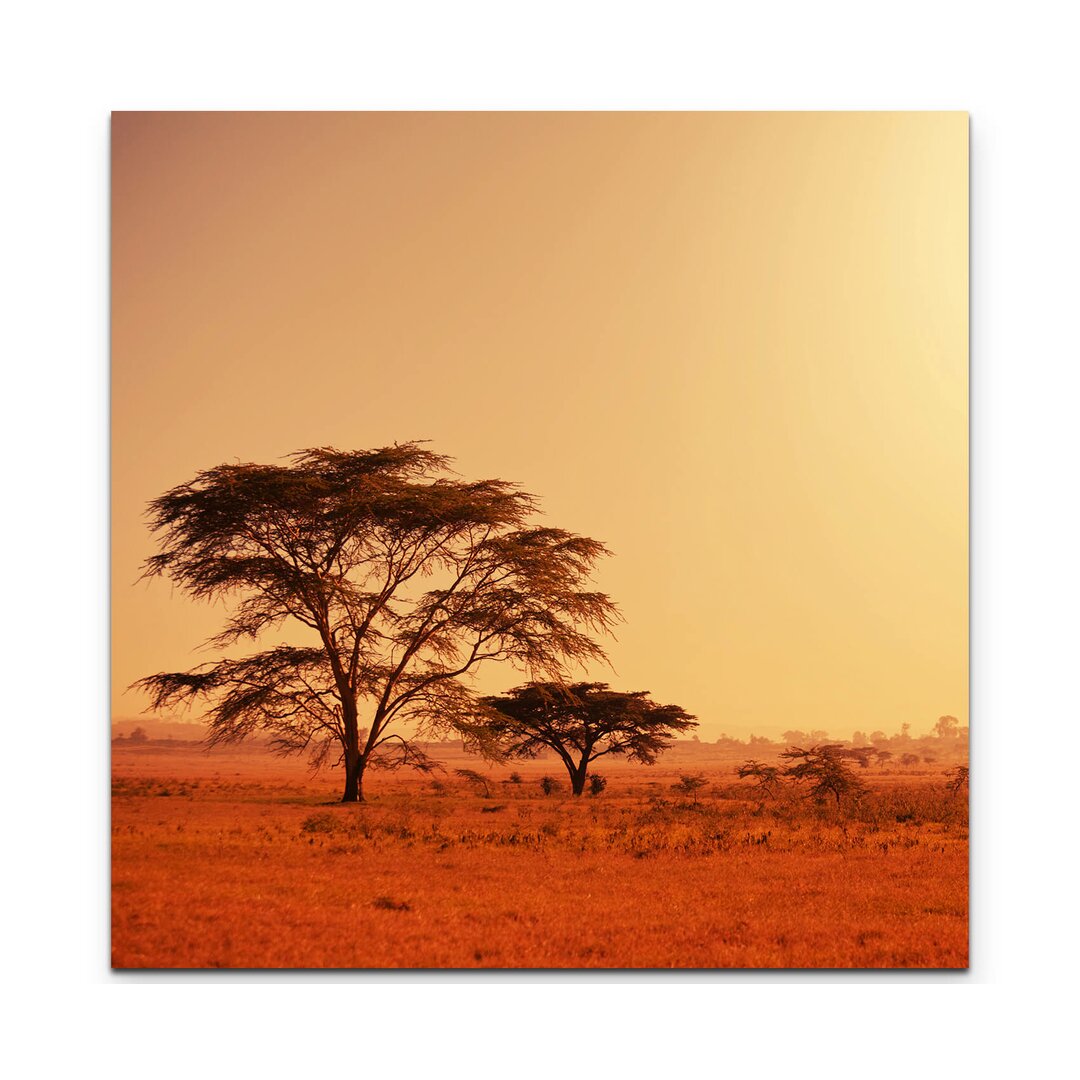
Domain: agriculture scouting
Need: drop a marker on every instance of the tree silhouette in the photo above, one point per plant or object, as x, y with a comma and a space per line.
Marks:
959, 781
824, 769
690, 785
337, 545
478, 780
767, 777
947, 727
581, 723
861, 755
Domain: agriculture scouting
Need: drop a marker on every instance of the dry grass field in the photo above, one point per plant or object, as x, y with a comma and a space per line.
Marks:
236, 859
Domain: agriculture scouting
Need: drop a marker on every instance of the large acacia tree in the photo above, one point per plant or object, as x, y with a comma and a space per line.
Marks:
582, 722
401, 580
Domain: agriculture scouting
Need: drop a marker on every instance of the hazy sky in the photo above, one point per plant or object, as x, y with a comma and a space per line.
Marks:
731, 346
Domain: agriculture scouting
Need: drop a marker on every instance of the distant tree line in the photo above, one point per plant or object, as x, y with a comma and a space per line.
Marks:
137, 738
948, 739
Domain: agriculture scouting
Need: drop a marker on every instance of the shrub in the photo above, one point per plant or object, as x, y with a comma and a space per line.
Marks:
318, 823
386, 903
597, 783
548, 784
515, 778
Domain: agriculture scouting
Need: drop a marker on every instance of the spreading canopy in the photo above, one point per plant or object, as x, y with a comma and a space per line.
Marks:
401, 578
581, 723
823, 768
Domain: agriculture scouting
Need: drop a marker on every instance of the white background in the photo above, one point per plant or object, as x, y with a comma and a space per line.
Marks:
65, 66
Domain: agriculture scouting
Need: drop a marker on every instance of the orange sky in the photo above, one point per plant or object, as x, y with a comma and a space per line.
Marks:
731, 346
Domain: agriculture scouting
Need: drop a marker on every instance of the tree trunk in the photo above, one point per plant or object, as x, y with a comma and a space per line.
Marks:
354, 761
354, 777
577, 779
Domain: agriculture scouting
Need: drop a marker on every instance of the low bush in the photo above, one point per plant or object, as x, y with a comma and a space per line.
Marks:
318, 823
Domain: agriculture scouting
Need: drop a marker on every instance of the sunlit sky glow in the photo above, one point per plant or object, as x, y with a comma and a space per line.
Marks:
731, 346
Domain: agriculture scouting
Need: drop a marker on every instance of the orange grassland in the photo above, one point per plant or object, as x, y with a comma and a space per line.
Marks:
237, 859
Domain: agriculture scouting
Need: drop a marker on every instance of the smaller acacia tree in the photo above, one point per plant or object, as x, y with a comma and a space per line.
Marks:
959, 779
690, 785
767, 777
478, 780
823, 768
861, 755
581, 723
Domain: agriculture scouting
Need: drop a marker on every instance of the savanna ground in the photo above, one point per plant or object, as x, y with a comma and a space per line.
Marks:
237, 859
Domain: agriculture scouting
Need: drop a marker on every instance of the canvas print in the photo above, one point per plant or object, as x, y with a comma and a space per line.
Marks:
539, 540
